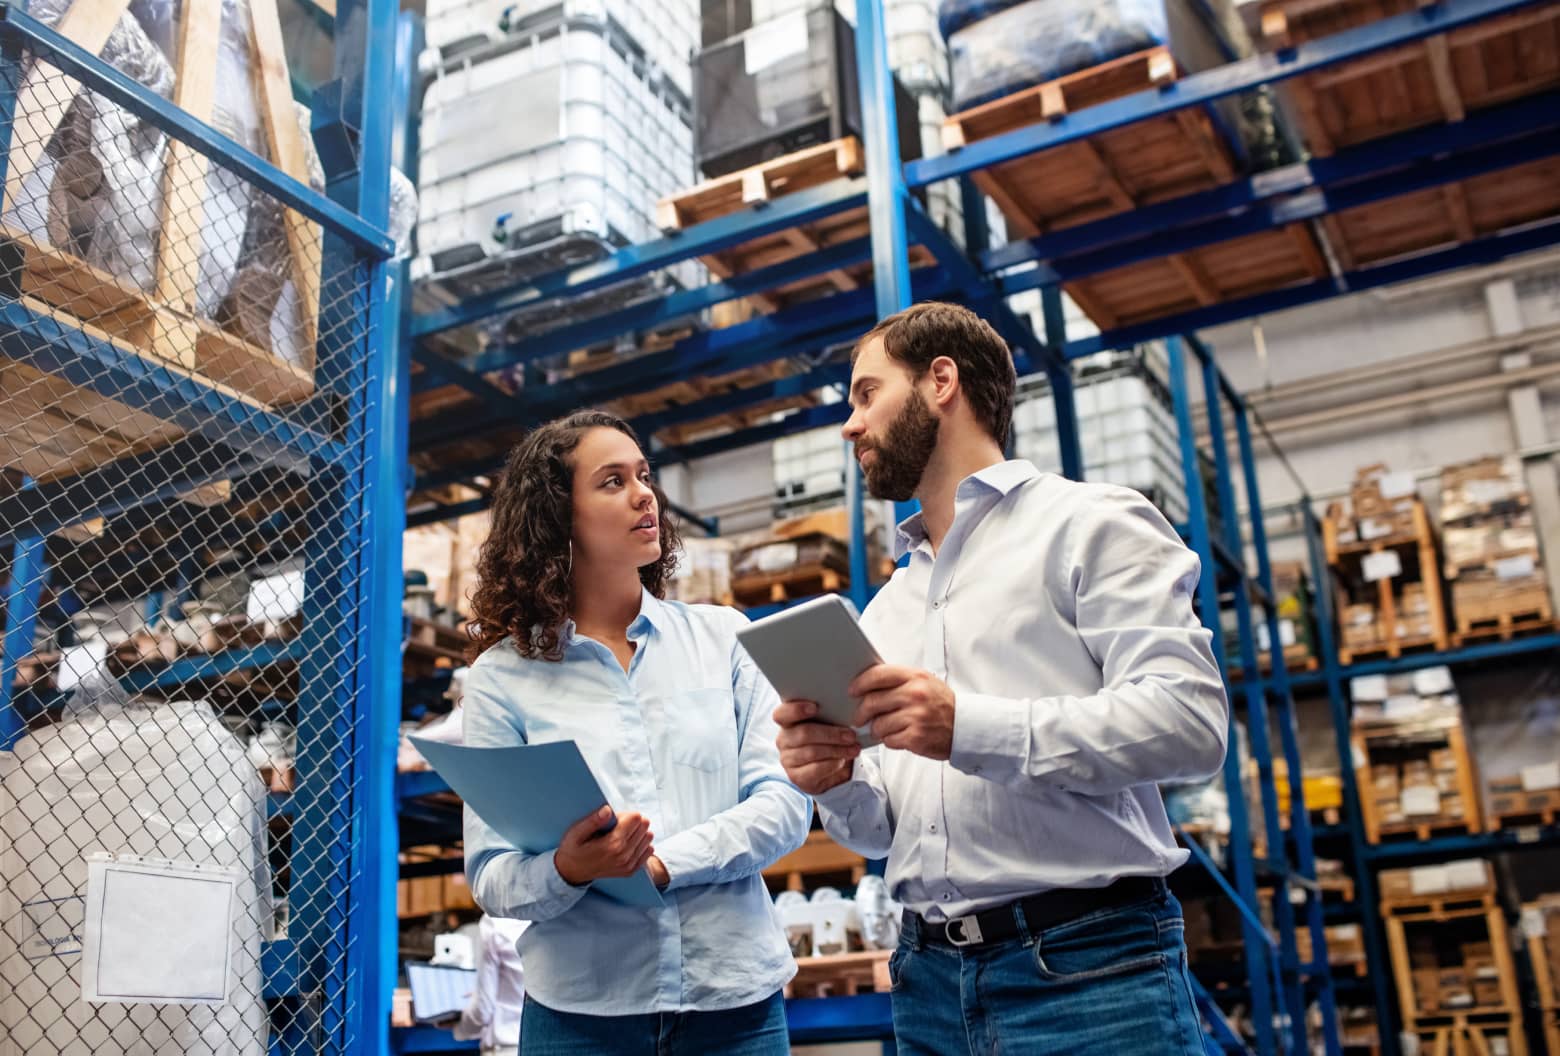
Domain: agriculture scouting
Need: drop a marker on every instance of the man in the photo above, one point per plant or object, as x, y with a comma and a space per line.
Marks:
1043, 672
492, 1013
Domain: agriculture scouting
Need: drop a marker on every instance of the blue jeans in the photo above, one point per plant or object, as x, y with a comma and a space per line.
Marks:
754, 1030
1110, 983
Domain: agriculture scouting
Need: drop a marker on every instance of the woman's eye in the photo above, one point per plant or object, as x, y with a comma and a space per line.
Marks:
645, 476
612, 481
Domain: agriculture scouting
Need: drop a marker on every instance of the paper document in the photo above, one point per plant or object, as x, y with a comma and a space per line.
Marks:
530, 794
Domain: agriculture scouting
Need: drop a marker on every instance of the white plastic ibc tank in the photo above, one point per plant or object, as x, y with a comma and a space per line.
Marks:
164, 781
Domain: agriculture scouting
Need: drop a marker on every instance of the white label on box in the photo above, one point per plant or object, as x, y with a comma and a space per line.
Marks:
1286, 633
80, 661
1358, 755
1468, 873
774, 41
1373, 529
1345, 932
1384, 565
1368, 687
1533, 925
1397, 485
1428, 880
1421, 800
1432, 681
1400, 707
275, 598
1515, 567
1542, 776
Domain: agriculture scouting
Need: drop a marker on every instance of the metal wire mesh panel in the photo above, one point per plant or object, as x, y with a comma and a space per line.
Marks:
184, 386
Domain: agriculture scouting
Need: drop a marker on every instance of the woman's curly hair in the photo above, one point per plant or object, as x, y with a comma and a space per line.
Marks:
524, 571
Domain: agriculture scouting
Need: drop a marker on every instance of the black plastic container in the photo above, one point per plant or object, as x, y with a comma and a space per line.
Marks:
782, 86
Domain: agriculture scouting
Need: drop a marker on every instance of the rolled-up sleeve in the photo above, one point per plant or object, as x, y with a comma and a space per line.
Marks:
505, 881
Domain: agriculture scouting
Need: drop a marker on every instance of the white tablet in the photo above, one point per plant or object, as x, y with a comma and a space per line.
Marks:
813, 651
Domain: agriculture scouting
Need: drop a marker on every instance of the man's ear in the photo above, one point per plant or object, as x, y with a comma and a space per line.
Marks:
944, 373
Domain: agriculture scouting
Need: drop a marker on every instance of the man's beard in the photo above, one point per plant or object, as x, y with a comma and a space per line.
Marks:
904, 452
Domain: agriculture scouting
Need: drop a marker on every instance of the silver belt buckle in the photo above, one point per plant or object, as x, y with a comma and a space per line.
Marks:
970, 928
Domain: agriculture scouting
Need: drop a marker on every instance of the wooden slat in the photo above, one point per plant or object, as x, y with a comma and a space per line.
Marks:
284, 138
44, 97
180, 245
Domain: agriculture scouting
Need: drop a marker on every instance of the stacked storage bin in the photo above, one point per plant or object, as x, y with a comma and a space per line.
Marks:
1125, 427
549, 132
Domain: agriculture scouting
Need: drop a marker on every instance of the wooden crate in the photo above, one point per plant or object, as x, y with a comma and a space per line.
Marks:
819, 857
1470, 1033
1444, 216
1429, 911
1525, 809
1417, 551
752, 188
1502, 616
1440, 78
56, 429
841, 974
1116, 171
1377, 829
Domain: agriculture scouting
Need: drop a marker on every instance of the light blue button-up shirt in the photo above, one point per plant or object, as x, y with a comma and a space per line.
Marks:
685, 737
1061, 616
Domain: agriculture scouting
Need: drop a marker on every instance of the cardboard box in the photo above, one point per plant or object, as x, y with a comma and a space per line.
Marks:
1386, 782
1486, 993
1427, 990
1443, 760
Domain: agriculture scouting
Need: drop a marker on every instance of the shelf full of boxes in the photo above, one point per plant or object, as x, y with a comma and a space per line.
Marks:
191, 405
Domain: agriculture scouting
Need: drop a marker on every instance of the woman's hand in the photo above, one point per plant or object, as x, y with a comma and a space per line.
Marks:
591, 852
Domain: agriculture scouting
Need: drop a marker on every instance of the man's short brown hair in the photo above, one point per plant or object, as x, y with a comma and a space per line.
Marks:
922, 332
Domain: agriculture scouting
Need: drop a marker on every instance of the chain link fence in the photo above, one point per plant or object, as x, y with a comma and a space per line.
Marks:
184, 391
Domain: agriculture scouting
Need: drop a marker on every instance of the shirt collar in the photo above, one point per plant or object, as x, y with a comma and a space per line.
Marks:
1000, 478
652, 616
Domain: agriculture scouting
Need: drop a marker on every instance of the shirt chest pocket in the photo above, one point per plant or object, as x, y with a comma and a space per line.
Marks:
699, 731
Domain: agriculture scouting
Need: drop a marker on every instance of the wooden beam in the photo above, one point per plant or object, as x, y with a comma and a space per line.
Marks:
43, 98
1196, 279
1091, 305
1440, 56
284, 137
184, 186
1315, 263
1194, 124
1020, 223
1457, 210
804, 241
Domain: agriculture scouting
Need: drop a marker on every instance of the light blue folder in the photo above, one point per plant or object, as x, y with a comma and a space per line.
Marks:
530, 795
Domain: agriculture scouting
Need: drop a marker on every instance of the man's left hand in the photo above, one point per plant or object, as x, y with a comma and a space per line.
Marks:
907, 708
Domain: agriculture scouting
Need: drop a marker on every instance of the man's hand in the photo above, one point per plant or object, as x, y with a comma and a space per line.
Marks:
658, 874
906, 708
817, 756
588, 853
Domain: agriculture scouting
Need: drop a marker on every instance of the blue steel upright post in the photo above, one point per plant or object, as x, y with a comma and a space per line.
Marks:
1259, 967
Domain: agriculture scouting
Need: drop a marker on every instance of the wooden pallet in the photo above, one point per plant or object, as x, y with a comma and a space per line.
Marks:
788, 585
1423, 830
84, 429
841, 975
1440, 78
431, 645
1481, 625
1469, 1033
1525, 819
1444, 216
1439, 908
1391, 649
1377, 831
817, 858
760, 184
1123, 169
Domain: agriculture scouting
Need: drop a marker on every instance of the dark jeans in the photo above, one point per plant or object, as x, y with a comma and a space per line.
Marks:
755, 1030
1111, 983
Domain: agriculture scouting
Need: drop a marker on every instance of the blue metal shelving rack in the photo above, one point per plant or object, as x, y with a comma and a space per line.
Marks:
342, 441
1279, 988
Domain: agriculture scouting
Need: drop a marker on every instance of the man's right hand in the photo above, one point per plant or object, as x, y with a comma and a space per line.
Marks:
817, 756
588, 854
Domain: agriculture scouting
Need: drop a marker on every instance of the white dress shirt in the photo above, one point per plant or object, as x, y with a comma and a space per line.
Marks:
686, 737
1060, 614
492, 1016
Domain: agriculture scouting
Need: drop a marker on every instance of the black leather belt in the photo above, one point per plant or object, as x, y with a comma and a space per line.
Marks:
1029, 916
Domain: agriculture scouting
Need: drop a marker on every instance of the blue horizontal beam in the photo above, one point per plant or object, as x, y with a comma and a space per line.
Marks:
141, 383
1265, 217
125, 484
1535, 645
427, 1040
711, 236
1270, 189
795, 422
97, 75
677, 305
419, 783
1479, 844
726, 403
1207, 87
214, 665
448, 372
1485, 250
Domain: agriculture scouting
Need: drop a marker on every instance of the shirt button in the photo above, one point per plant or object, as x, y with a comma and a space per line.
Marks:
937, 604
934, 828
946, 896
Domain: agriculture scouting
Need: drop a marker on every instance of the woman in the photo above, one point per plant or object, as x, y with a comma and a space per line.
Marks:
576, 643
